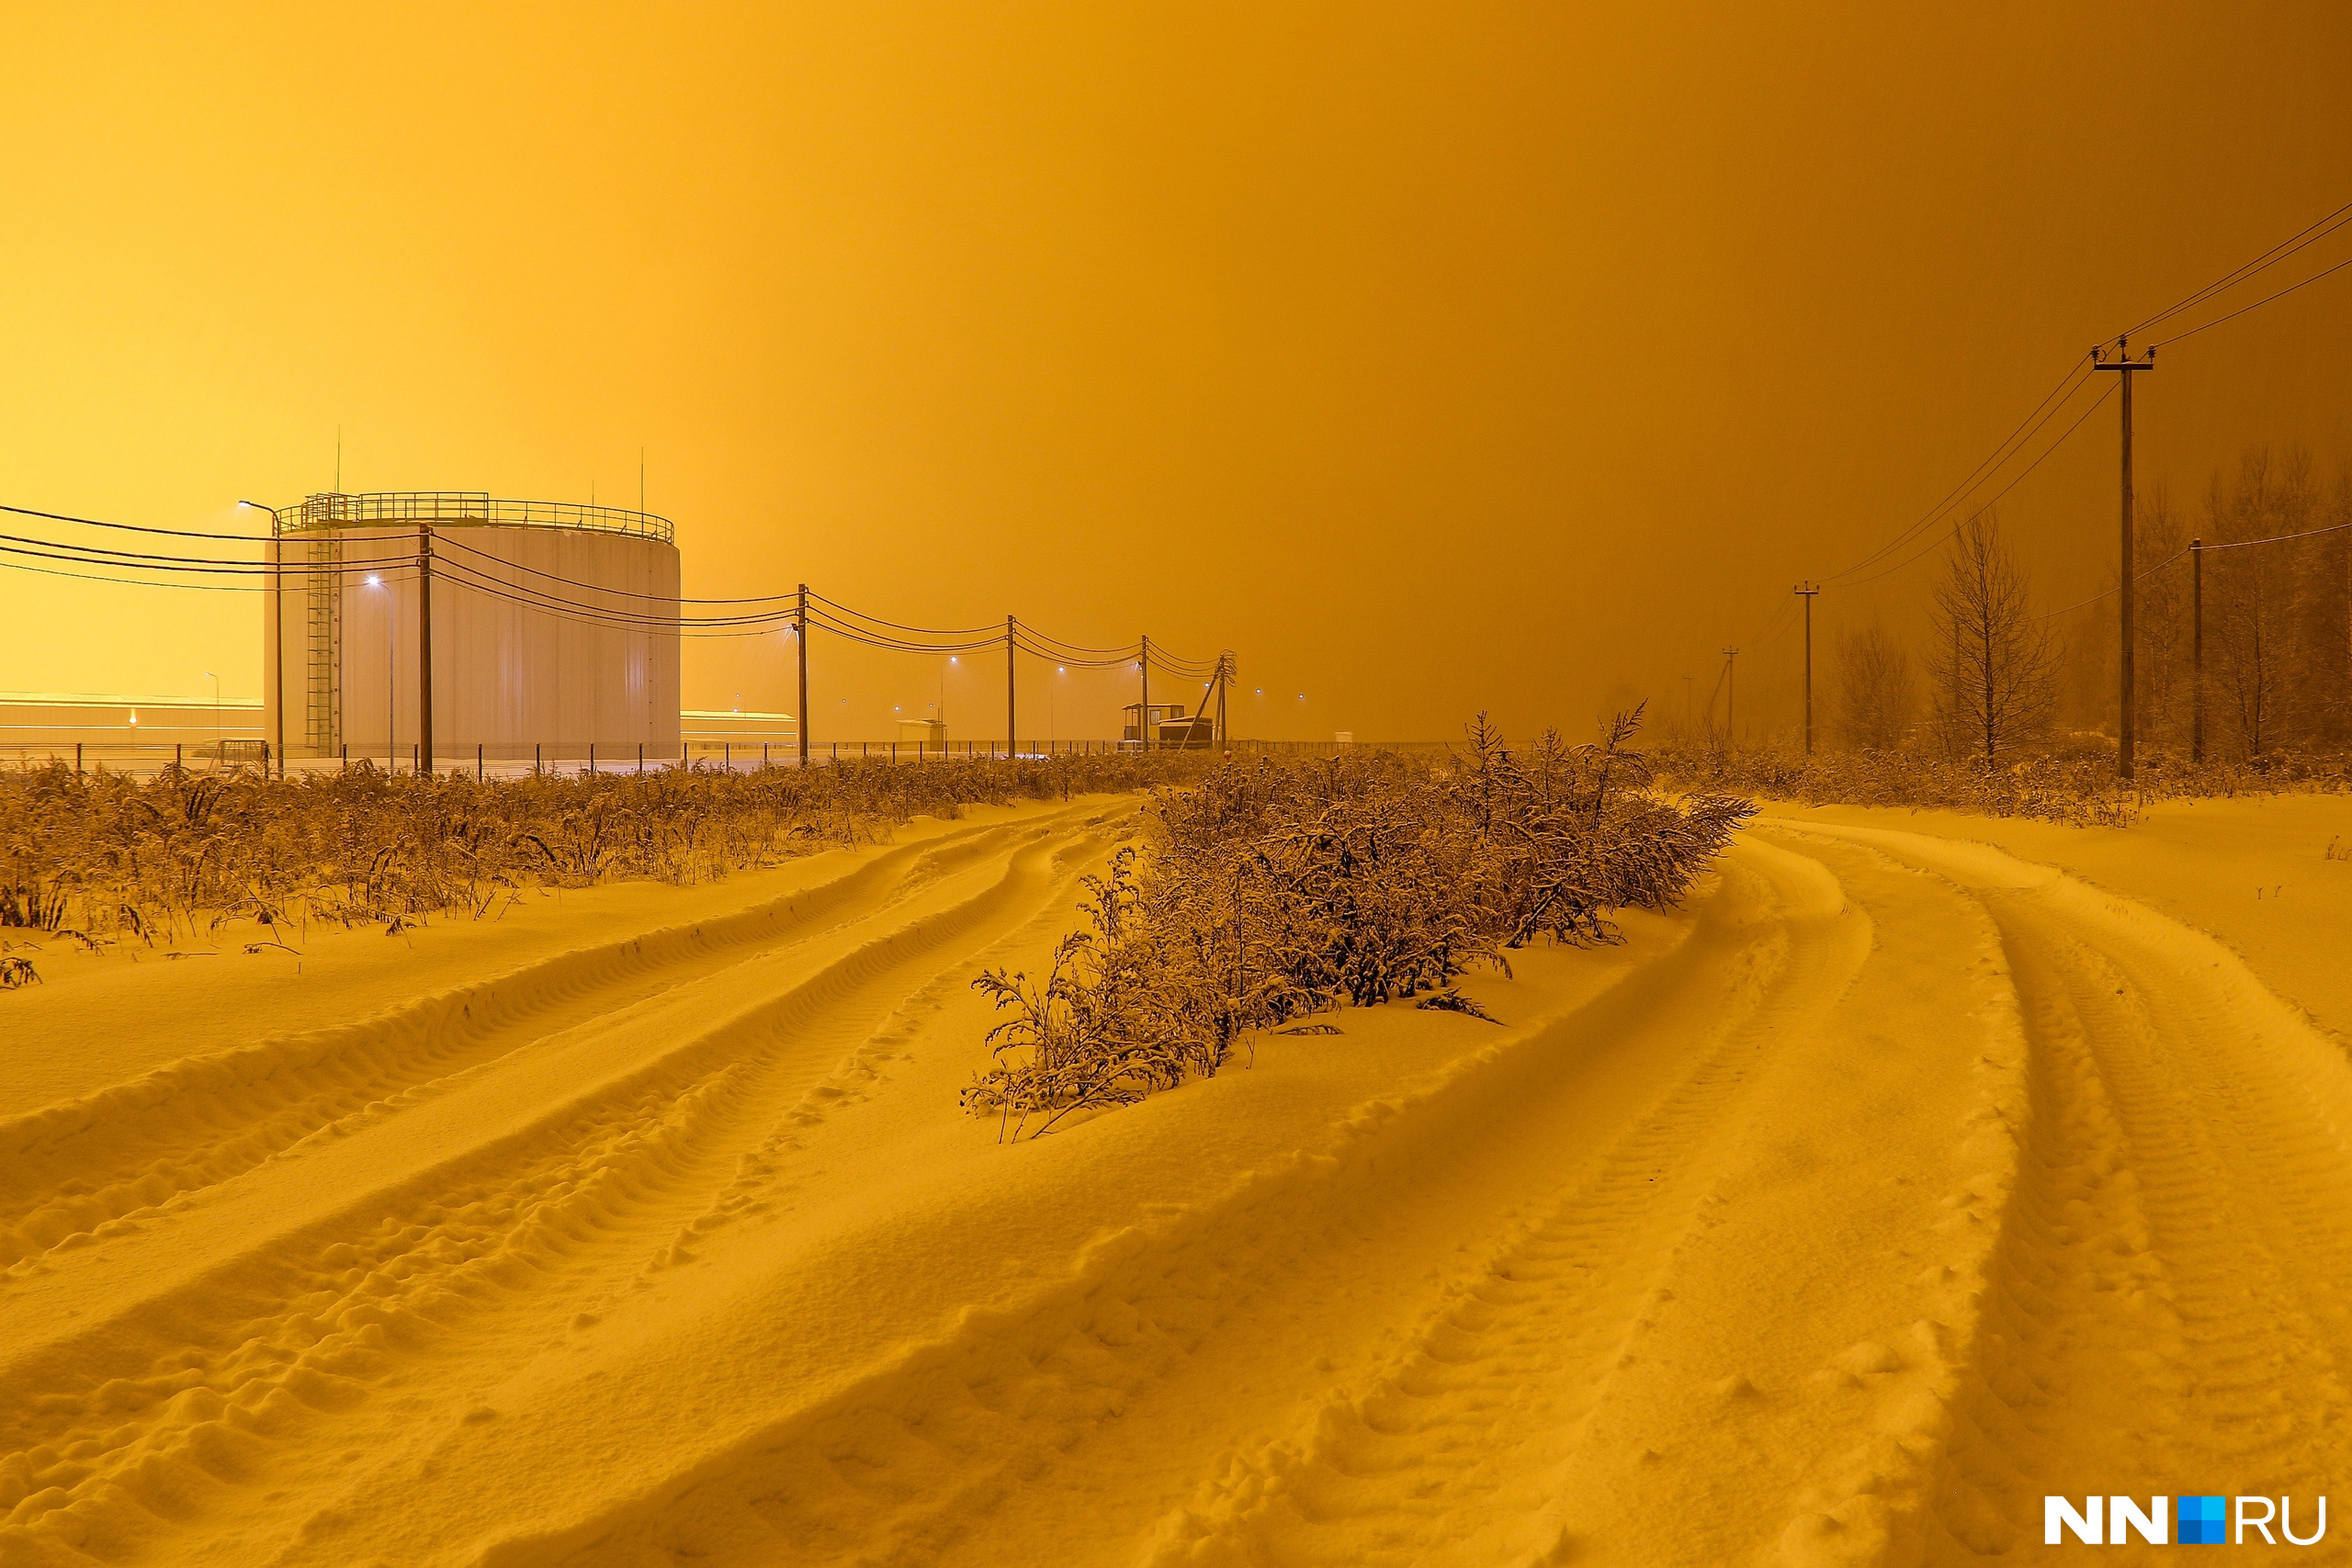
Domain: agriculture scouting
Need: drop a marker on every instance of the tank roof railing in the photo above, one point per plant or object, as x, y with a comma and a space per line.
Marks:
464, 509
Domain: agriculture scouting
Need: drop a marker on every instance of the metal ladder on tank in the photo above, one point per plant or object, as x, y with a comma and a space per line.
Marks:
323, 645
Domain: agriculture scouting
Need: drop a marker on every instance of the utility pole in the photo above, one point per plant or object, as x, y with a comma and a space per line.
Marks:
2197, 647
1224, 679
424, 650
1143, 708
1731, 698
2127, 724
1807, 589
1011, 746
800, 649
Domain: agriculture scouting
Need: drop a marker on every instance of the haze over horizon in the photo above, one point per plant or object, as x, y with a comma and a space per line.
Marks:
1515, 359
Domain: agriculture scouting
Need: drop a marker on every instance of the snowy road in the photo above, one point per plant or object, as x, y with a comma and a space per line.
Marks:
1896, 1183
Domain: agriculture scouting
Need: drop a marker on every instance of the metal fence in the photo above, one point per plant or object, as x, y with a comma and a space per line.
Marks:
584, 758
464, 509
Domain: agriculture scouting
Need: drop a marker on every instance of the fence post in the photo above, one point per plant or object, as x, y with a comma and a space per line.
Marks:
479, 773
592, 757
640, 756
177, 764
77, 759
537, 755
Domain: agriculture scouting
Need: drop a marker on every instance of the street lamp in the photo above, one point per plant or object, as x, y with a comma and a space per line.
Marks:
276, 628
392, 674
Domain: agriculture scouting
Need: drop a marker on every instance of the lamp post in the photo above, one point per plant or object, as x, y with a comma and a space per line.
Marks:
943, 705
1052, 733
392, 727
274, 665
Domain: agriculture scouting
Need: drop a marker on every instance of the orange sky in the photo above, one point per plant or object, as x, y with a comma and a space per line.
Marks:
1433, 358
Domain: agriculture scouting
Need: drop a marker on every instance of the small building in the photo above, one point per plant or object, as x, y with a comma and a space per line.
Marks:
1171, 728
738, 734
923, 734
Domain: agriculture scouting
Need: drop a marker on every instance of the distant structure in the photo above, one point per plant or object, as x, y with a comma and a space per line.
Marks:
1171, 728
553, 628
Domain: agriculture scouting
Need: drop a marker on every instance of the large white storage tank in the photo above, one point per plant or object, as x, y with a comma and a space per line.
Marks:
553, 630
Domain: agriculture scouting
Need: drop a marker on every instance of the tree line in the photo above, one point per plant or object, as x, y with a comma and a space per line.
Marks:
1991, 674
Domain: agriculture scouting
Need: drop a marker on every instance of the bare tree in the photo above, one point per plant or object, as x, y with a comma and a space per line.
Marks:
1995, 664
2252, 591
2160, 543
1875, 692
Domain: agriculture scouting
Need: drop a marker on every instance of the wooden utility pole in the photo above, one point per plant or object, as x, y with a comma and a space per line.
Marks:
1142, 709
424, 650
1011, 746
2127, 724
2196, 648
1224, 679
1731, 697
1807, 590
800, 650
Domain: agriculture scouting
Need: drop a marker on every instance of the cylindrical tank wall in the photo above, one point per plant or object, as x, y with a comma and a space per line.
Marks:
506, 675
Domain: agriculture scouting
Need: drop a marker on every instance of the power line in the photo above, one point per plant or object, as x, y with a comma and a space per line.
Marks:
2257, 305
134, 527
2109, 593
2004, 490
2011, 444
156, 569
2287, 247
2294, 243
2282, 538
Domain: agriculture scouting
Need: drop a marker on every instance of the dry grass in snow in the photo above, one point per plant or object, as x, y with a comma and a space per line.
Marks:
105, 857
2080, 789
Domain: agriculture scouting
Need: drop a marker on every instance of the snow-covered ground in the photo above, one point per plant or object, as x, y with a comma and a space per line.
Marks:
1922, 1166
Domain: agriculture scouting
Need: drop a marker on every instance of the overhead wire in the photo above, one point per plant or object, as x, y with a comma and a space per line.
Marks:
2096, 405
445, 539
2013, 442
158, 569
2137, 579
2333, 221
2302, 238
2265, 299
134, 527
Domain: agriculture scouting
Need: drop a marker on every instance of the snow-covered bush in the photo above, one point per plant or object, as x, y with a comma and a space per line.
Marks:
1272, 890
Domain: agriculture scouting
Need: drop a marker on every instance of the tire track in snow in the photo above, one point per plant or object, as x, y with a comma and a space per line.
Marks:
121, 1432
1446, 1453
2167, 1316
2161, 1311
88, 1169
1062, 1428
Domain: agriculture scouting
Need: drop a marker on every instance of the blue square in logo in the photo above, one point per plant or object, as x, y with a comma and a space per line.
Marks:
2198, 1521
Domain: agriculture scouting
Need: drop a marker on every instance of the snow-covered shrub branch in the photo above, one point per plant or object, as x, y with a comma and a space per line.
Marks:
1270, 891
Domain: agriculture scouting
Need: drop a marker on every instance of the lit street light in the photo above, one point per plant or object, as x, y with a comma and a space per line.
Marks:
391, 663
277, 628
